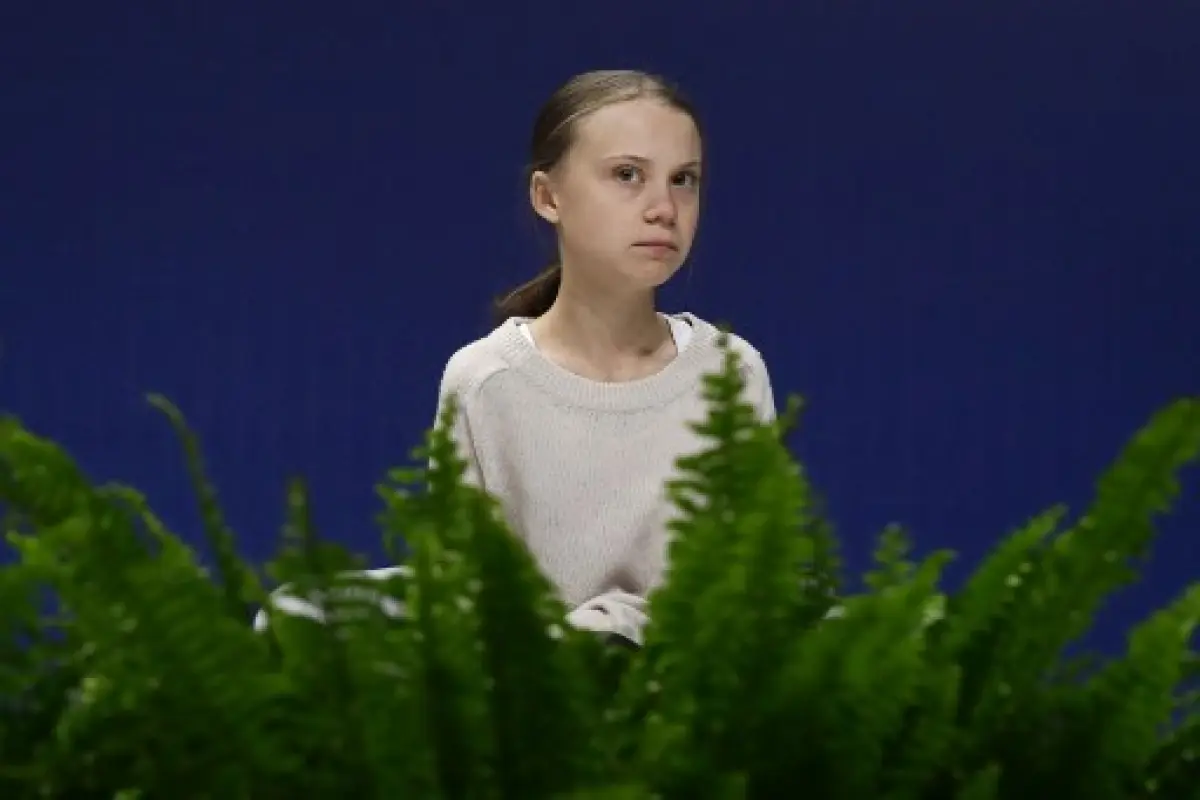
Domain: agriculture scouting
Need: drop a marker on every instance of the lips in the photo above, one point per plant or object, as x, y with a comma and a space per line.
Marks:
658, 244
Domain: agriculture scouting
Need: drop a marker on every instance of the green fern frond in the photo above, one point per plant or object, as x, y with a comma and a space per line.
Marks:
982, 785
892, 567
455, 675
153, 623
1056, 601
240, 584
844, 696
733, 592
1134, 700
1173, 771
992, 587
476, 580
37, 480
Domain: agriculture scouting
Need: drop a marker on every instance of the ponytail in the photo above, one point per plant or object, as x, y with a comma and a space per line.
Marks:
532, 298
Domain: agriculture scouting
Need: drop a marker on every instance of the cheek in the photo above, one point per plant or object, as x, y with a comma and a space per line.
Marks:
585, 234
595, 220
689, 216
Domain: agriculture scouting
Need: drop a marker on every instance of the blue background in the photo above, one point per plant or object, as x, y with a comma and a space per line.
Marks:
968, 237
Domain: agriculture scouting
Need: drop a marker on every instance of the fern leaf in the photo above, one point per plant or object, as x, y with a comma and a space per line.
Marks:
1173, 772
741, 549
1135, 699
147, 613
847, 689
1058, 599
241, 586
983, 785
533, 704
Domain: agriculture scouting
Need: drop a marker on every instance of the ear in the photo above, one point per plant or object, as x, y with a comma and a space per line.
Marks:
542, 197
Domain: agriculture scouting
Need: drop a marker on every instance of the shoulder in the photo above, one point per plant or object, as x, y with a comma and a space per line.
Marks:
751, 361
749, 356
757, 377
751, 364
472, 366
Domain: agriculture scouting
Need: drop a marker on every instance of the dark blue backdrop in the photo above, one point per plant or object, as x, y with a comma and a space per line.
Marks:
968, 237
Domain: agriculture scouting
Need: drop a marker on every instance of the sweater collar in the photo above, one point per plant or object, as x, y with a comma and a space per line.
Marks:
682, 374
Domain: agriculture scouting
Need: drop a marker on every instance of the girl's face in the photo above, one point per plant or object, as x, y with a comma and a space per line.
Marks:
626, 197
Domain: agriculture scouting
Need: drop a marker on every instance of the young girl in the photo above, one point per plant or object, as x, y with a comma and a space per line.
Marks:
573, 411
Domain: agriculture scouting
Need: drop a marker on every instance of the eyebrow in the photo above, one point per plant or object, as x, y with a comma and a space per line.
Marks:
645, 161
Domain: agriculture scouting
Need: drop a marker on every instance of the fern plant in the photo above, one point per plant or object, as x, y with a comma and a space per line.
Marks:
129, 669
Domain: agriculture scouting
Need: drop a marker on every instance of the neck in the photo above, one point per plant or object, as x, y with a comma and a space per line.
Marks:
603, 323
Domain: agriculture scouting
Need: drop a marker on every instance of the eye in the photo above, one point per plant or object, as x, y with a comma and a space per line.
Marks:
687, 180
628, 173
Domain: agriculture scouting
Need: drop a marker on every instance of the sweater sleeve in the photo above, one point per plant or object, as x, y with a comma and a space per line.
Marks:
758, 380
766, 396
466, 451
614, 612
461, 431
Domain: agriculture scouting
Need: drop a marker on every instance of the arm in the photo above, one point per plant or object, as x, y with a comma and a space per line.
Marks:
461, 434
615, 612
758, 380
284, 602
766, 395
454, 384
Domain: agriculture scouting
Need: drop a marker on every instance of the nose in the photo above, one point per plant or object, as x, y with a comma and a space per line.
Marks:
660, 210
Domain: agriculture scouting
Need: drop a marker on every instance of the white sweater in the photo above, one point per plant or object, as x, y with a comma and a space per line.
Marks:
578, 466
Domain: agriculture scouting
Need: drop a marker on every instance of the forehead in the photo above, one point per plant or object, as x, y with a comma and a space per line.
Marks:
643, 127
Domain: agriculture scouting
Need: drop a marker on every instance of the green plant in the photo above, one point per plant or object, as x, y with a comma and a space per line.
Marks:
759, 678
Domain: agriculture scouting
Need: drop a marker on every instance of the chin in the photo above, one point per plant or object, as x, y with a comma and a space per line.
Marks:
649, 274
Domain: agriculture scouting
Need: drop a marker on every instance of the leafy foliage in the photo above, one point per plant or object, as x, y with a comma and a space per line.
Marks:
760, 676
